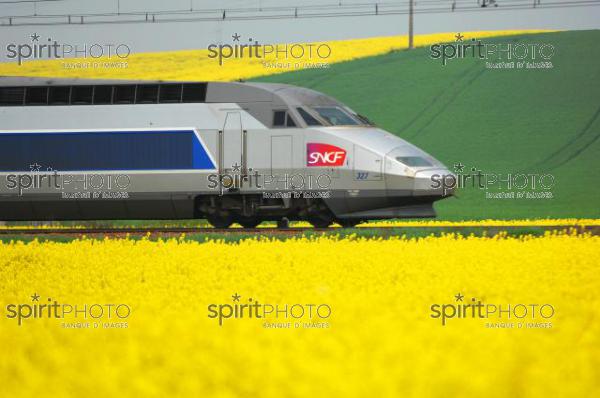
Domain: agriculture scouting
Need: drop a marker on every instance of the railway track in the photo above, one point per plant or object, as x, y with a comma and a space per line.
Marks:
387, 230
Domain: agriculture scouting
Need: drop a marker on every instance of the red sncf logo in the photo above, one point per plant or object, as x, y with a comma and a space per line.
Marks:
324, 155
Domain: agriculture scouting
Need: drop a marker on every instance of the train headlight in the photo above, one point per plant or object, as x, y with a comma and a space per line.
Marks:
414, 161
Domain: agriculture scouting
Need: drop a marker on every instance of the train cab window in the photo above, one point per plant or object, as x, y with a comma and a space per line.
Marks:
336, 116
279, 118
290, 122
283, 119
308, 118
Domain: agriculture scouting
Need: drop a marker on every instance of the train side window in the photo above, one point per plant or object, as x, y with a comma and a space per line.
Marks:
59, 95
290, 122
82, 95
147, 94
12, 96
283, 119
194, 92
36, 96
124, 95
279, 118
170, 93
103, 95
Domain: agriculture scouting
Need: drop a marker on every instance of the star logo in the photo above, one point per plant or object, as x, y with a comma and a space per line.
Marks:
459, 37
35, 167
459, 167
35, 37
236, 167
459, 297
236, 297
236, 37
35, 297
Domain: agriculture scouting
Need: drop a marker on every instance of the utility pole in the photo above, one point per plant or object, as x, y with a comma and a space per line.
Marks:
410, 24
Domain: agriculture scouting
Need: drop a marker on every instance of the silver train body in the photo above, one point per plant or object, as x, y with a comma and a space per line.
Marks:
227, 152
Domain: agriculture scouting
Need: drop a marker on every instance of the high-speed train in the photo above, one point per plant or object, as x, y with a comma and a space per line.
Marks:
226, 152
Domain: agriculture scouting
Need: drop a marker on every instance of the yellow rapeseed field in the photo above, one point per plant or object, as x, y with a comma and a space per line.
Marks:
543, 222
378, 338
195, 65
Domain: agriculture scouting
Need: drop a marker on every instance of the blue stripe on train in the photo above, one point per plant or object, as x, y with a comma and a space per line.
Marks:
104, 150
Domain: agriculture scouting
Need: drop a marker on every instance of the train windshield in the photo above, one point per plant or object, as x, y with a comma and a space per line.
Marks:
308, 118
337, 116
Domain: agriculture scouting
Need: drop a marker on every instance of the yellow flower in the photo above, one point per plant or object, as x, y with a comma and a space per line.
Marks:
381, 339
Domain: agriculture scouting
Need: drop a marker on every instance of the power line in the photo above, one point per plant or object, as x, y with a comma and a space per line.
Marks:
366, 6
300, 12
27, 1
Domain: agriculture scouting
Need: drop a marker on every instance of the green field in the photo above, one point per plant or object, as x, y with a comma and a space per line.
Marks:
499, 121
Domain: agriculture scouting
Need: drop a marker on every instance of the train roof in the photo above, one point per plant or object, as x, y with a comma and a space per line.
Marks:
213, 92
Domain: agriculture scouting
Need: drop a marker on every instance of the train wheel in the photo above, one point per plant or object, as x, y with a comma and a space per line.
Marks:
220, 222
348, 223
318, 222
284, 223
249, 222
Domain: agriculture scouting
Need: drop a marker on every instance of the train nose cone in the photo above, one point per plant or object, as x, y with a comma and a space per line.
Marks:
434, 182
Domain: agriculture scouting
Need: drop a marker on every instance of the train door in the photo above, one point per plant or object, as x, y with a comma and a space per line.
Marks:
367, 165
281, 154
367, 168
231, 159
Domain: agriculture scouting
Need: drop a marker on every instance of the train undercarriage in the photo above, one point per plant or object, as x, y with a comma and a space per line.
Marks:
251, 210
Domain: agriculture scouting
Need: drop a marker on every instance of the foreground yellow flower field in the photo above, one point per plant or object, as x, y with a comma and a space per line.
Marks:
545, 222
196, 65
176, 328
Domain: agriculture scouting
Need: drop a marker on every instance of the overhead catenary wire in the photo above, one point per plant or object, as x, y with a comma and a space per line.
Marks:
286, 12
27, 1
370, 6
355, 6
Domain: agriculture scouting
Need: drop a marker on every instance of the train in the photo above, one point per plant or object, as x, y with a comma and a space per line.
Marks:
227, 152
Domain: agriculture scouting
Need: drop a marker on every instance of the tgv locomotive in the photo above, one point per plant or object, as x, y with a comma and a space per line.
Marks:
227, 152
